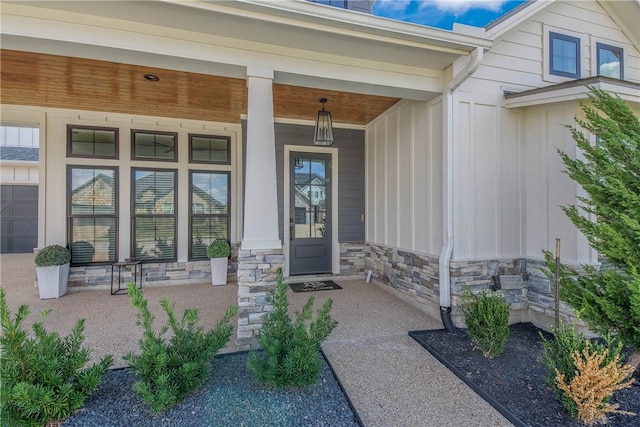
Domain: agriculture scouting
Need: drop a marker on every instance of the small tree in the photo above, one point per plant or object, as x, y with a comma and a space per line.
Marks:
608, 300
43, 376
290, 355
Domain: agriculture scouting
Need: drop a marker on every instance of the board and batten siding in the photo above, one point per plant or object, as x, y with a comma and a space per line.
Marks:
518, 61
404, 177
486, 186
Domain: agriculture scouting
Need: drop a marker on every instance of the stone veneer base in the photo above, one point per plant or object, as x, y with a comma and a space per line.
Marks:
257, 270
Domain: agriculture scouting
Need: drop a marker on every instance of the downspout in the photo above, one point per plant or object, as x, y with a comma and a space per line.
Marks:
447, 248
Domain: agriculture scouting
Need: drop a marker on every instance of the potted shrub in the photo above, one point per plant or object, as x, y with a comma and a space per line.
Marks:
219, 252
52, 271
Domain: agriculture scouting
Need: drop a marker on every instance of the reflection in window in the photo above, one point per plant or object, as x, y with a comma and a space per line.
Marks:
610, 61
310, 198
92, 214
564, 55
98, 142
209, 218
209, 149
154, 145
154, 218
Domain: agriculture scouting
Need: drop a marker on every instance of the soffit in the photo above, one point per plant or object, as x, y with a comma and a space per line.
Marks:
81, 84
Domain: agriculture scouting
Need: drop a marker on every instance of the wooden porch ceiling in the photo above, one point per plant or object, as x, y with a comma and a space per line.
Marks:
65, 82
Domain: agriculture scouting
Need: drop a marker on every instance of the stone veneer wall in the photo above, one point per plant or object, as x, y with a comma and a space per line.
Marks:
542, 302
479, 275
154, 272
411, 274
256, 275
352, 258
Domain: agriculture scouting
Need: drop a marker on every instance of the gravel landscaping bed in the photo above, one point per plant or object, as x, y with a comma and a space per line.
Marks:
514, 382
231, 397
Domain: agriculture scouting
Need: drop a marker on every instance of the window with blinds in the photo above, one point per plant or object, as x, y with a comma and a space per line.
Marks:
209, 211
92, 214
154, 214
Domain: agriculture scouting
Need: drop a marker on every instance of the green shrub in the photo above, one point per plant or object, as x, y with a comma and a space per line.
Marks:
219, 249
168, 371
290, 355
43, 378
558, 356
52, 255
487, 319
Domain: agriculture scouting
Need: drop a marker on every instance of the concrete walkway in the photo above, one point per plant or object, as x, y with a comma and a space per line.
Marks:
390, 379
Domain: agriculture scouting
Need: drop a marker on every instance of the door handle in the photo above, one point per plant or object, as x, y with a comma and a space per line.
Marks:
291, 229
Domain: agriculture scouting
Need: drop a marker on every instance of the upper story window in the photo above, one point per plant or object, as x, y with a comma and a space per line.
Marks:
147, 145
209, 149
564, 55
610, 61
97, 142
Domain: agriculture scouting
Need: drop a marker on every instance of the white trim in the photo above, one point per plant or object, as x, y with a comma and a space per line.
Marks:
584, 48
594, 54
335, 244
573, 93
304, 122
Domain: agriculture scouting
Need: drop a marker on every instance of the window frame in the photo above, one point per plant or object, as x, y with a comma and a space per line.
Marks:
71, 215
134, 216
567, 38
192, 214
611, 48
70, 153
154, 159
209, 162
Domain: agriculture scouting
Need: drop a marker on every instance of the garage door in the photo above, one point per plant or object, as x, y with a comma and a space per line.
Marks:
19, 218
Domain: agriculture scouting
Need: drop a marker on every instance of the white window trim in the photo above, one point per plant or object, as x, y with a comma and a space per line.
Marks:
594, 55
546, 66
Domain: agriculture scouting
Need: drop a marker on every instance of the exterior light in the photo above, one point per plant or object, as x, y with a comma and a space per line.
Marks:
323, 134
151, 77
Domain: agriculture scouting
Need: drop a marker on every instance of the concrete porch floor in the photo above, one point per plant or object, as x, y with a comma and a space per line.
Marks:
389, 378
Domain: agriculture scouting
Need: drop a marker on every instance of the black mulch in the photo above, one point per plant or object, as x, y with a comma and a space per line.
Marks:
325, 285
514, 382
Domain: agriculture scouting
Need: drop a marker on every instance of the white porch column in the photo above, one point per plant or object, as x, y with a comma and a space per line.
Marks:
261, 199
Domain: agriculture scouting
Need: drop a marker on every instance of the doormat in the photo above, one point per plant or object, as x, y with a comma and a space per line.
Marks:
326, 285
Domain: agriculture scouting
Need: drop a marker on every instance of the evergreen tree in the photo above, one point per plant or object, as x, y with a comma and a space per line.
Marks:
608, 299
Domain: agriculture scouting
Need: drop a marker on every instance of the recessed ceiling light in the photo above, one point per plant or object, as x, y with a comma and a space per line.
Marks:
151, 78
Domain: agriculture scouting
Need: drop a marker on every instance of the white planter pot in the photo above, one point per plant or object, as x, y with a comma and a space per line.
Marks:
52, 281
219, 271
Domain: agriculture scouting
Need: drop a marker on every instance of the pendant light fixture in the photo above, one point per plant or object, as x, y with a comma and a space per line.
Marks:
323, 134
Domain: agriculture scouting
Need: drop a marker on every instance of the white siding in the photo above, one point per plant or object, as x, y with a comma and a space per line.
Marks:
18, 174
487, 209
404, 177
547, 187
517, 62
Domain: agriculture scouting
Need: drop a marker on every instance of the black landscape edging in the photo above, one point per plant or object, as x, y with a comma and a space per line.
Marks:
493, 402
353, 408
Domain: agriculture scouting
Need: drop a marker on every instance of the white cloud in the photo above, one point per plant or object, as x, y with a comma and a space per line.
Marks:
392, 5
459, 7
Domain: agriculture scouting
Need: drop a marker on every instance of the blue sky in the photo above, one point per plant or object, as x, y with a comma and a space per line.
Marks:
443, 13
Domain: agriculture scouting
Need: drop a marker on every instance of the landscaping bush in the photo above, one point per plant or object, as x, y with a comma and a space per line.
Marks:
558, 356
43, 377
52, 255
219, 249
596, 378
168, 371
487, 318
290, 355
